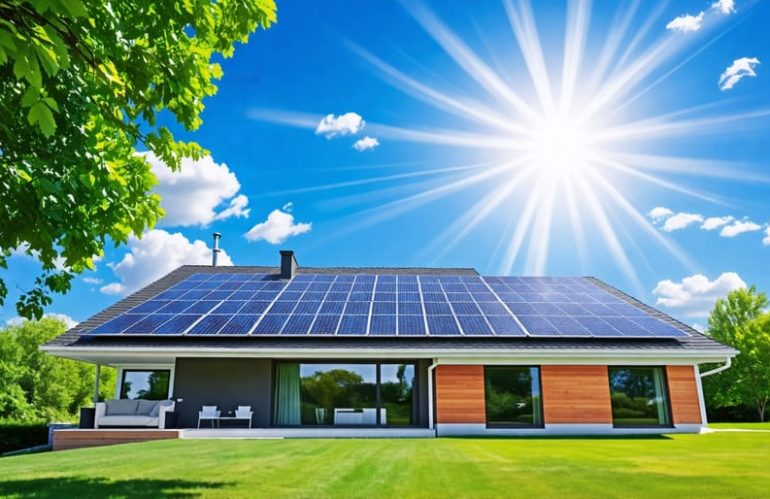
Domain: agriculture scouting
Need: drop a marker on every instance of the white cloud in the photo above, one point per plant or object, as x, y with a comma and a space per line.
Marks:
154, 255
66, 319
278, 227
766, 240
92, 280
192, 195
366, 143
659, 213
739, 68
345, 124
739, 227
686, 23
712, 223
724, 6
695, 295
681, 221
238, 208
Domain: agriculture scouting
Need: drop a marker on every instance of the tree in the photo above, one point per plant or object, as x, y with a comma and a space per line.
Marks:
36, 385
741, 322
82, 85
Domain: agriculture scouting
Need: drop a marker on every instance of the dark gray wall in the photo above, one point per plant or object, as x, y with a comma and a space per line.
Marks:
226, 383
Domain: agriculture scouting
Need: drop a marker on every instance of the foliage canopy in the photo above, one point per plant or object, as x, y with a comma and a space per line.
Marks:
82, 84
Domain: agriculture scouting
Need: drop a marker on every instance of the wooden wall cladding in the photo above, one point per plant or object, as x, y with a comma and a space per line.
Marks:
683, 393
76, 439
576, 394
460, 394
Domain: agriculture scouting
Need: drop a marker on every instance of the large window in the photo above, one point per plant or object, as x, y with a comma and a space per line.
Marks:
146, 385
512, 396
639, 396
344, 394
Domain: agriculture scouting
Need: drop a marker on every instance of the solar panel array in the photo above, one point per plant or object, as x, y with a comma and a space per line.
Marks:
241, 304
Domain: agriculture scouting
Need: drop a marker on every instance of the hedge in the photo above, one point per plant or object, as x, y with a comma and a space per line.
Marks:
20, 435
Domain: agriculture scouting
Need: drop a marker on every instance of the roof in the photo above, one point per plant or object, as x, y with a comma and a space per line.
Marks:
78, 338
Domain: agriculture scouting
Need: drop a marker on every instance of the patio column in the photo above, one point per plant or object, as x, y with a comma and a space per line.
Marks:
96, 383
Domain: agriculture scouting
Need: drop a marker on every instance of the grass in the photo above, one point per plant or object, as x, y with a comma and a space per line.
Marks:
712, 465
740, 426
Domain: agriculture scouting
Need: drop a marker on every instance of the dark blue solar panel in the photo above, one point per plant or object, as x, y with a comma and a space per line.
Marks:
537, 326
283, 307
497, 308
210, 324
597, 326
230, 307
409, 297
409, 308
568, 326
473, 324
409, 325
149, 306
298, 324
177, 325
438, 309
242, 295
357, 308
360, 296
384, 308
465, 308
194, 294
307, 307
337, 297
118, 324
627, 327
353, 324
271, 323
148, 324
254, 307
505, 325
384, 296
658, 327
325, 324
240, 324
441, 325
332, 307
383, 325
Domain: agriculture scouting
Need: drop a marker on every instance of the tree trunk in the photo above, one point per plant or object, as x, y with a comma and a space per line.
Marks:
761, 405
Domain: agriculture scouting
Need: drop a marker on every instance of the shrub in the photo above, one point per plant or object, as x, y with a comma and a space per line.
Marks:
15, 435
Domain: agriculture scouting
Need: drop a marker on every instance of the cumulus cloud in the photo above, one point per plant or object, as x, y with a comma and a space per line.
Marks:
659, 213
154, 255
278, 227
681, 221
739, 227
735, 73
686, 23
366, 143
724, 6
713, 223
238, 208
694, 296
192, 195
66, 319
332, 126
92, 280
766, 240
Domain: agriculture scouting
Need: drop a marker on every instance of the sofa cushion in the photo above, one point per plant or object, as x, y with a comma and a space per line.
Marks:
161, 403
121, 407
147, 408
127, 420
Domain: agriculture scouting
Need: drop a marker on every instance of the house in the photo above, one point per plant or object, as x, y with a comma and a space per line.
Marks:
365, 351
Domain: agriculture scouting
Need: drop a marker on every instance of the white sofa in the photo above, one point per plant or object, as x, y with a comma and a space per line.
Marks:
144, 413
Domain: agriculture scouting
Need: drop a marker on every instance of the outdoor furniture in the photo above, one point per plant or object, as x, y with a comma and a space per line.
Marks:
366, 416
243, 413
145, 413
209, 413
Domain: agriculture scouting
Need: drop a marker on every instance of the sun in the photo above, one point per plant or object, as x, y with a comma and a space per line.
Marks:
561, 146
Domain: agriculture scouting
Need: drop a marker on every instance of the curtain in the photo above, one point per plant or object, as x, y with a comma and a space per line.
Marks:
537, 407
660, 395
287, 407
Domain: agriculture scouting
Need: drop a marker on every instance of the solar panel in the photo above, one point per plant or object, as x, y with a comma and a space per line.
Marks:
233, 303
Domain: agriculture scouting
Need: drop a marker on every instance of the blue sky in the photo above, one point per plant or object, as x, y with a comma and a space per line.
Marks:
496, 149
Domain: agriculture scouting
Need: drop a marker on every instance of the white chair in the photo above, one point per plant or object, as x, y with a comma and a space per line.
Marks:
209, 413
244, 412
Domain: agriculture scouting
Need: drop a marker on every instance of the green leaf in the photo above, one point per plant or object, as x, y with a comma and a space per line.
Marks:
41, 115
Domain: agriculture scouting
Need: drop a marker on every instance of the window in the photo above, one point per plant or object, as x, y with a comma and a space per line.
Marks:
512, 396
147, 385
344, 394
639, 396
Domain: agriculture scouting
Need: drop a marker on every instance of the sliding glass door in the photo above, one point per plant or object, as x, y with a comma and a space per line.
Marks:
350, 394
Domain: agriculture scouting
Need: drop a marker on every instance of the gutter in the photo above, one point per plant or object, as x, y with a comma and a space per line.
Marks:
726, 366
431, 368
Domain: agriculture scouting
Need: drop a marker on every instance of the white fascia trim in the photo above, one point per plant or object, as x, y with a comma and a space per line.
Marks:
445, 356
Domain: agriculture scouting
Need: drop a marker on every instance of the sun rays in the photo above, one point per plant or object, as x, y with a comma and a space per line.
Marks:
564, 144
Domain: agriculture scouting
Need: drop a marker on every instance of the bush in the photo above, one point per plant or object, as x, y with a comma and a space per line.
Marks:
20, 435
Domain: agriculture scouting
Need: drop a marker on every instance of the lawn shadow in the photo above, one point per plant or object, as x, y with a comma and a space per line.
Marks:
101, 487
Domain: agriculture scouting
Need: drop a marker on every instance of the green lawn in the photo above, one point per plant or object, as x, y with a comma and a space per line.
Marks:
713, 465
740, 426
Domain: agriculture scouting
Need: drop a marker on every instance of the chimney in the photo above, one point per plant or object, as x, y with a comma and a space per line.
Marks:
288, 264
216, 250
